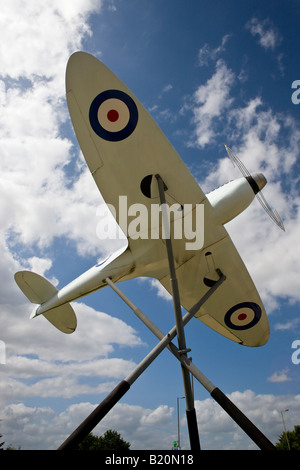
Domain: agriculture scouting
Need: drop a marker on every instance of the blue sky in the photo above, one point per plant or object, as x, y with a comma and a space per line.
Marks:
210, 73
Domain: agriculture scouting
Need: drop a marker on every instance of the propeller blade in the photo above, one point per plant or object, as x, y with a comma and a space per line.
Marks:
273, 214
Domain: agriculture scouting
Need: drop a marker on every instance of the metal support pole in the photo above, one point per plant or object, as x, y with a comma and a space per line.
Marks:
107, 404
190, 408
230, 408
119, 391
178, 422
172, 333
95, 417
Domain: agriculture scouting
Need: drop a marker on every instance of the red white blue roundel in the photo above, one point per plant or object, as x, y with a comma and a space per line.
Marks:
243, 316
113, 115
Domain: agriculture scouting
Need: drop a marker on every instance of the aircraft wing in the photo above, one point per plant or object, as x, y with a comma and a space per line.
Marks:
235, 310
122, 145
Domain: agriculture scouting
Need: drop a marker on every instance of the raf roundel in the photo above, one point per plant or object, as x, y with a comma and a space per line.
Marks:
243, 316
113, 115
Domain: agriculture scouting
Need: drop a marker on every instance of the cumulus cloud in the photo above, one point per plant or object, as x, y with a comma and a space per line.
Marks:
211, 100
219, 431
36, 39
266, 142
36, 157
158, 416
47, 192
42, 427
160, 290
281, 376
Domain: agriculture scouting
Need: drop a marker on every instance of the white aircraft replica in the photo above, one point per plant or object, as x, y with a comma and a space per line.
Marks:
129, 156
125, 150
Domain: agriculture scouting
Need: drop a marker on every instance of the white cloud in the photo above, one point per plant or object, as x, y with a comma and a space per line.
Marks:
166, 89
39, 265
41, 199
266, 142
96, 334
36, 39
160, 290
268, 36
207, 53
45, 201
220, 432
58, 365
290, 325
45, 364
281, 376
158, 416
44, 428
211, 100
269, 143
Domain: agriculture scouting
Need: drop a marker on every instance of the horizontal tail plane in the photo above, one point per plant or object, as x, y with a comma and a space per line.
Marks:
39, 290
54, 304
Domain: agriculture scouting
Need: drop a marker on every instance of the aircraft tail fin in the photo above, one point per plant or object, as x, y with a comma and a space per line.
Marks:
38, 290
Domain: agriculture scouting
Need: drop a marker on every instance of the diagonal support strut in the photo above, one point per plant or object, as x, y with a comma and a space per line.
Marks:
228, 406
119, 391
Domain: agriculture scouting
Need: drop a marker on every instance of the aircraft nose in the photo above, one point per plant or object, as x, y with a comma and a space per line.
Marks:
257, 181
260, 180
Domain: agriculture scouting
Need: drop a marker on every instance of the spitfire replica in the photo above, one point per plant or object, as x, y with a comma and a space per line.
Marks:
128, 155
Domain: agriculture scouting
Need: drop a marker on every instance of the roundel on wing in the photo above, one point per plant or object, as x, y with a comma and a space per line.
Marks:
113, 115
243, 316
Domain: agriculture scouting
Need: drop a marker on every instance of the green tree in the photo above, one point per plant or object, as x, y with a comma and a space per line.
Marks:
111, 440
289, 440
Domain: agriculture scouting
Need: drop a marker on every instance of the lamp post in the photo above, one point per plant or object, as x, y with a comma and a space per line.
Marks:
287, 440
178, 427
